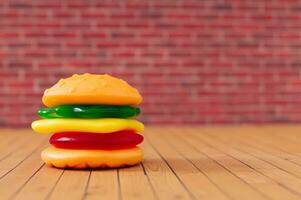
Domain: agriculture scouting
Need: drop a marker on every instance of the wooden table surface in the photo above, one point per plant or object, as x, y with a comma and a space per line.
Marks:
246, 162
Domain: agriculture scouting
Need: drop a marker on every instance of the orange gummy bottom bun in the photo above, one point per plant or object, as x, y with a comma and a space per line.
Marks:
81, 159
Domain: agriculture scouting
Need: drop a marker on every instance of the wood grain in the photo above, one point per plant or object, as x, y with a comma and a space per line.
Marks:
246, 162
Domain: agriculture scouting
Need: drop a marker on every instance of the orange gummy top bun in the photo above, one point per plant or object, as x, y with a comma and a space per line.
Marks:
91, 89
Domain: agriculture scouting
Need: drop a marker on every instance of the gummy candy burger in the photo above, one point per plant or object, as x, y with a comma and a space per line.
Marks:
91, 119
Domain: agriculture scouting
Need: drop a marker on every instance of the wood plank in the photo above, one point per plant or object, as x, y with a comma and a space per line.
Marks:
271, 139
220, 176
41, 184
12, 141
288, 133
265, 144
18, 152
103, 184
246, 162
273, 159
166, 185
71, 185
260, 145
13, 182
259, 182
281, 177
8, 145
134, 183
23, 145
196, 182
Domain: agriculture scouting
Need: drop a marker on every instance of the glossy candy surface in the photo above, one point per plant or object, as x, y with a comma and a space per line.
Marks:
83, 140
89, 111
82, 159
92, 89
101, 126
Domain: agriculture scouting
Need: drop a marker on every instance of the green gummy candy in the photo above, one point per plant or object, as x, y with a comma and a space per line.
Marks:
89, 111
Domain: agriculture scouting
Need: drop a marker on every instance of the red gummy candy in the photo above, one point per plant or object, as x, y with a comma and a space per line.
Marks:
85, 140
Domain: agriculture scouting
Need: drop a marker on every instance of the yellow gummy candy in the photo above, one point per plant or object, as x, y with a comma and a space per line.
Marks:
105, 125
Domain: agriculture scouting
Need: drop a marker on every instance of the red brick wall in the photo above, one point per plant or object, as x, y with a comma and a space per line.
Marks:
193, 61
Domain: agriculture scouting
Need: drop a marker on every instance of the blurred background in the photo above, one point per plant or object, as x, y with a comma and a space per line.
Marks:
195, 62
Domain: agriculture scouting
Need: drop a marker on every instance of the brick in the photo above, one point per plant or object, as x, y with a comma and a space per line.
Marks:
47, 25
179, 34
77, 5
165, 5
152, 54
63, 15
49, 64
108, 5
92, 15
30, 15
18, 44
8, 35
138, 25
118, 35
108, 24
193, 25
223, 62
38, 34
108, 44
64, 35
19, 64
179, 15
136, 44
148, 34
78, 44
94, 35
36, 54
49, 44
122, 54
137, 5
9, 14
48, 5
122, 15
83, 25
151, 15
192, 5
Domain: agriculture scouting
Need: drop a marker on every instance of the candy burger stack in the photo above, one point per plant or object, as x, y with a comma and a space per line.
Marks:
90, 117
